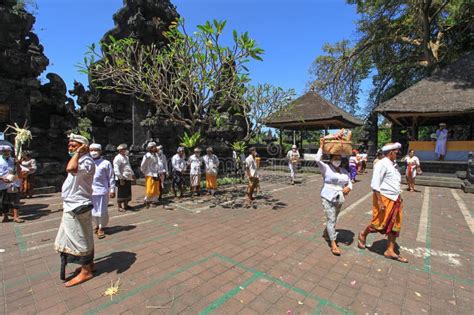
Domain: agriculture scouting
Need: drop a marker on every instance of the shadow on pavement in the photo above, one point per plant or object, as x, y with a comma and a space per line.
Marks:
118, 261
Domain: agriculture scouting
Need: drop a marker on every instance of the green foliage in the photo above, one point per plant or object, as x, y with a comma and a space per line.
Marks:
191, 79
263, 101
399, 42
226, 181
25, 5
384, 136
239, 146
190, 141
83, 128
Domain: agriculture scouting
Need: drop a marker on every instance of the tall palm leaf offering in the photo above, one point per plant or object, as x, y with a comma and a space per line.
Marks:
22, 136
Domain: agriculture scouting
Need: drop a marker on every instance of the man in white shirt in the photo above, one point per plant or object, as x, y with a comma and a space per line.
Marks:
211, 163
162, 169
75, 238
178, 162
124, 176
252, 174
195, 162
387, 203
103, 188
293, 157
150, 169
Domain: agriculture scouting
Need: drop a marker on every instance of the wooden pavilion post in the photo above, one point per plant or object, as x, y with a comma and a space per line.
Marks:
280, 140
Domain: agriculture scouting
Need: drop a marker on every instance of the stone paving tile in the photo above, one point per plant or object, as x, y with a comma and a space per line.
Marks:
199, 257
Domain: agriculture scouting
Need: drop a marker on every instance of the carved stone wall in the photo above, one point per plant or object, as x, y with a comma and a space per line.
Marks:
24, 99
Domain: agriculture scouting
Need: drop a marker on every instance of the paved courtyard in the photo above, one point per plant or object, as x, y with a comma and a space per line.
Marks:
214, 256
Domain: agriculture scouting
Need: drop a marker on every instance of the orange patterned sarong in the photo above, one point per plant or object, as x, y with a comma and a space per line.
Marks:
211, 181
389, 220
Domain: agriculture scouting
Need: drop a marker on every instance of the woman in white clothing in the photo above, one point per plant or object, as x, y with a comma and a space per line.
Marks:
336, 185
413, 168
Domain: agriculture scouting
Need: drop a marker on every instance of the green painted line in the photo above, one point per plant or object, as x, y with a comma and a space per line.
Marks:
123, 246
427, 268
319, 308
284, 284
20, 239
230, 294
149, 285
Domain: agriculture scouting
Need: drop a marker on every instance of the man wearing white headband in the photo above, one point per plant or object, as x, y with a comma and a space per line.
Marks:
293, 157
150, 169
441, 141
162, 169
387, 204
124, 176
103, 187
178, 162
75, 238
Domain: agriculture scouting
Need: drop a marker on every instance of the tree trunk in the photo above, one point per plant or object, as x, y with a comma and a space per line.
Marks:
373, 130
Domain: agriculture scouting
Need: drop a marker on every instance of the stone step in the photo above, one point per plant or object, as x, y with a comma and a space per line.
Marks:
440, 181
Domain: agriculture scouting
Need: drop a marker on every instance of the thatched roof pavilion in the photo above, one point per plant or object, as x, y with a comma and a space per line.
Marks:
312, 112
446, 96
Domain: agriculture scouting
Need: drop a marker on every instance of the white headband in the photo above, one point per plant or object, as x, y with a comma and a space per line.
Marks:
391, 146
96, 146
151, 145
78, 138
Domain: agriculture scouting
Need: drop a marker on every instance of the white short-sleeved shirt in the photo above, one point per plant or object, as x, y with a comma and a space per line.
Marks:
195, 163
293, 157
211, 164
386, 179
251, 165
77, 188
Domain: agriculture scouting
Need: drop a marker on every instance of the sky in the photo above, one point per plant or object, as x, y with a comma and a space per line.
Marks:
292, 32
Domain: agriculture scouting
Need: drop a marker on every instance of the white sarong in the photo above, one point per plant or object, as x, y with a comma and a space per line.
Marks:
100, 213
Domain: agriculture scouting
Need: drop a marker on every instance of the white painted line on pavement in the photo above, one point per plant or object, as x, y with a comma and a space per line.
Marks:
465, 212
40, 232
423, 225
354, 205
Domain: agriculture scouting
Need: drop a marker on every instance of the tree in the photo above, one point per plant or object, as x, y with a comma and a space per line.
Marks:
399, 42
262, 101
188, 81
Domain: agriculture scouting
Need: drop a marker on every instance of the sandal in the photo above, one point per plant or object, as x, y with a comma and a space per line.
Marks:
397, 258
18, 220
100, 234
360, 243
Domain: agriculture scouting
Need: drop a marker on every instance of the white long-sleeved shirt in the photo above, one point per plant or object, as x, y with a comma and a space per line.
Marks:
195, 163
149, 166
332, 179
122, 167
386, 179
211, 164
178, 163
104, 179
77, 188
162, 163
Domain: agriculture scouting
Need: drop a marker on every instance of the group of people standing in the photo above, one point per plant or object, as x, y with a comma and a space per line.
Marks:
92, 181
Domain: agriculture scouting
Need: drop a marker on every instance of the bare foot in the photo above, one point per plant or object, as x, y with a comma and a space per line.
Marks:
83, 276
336, 251
361, 241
